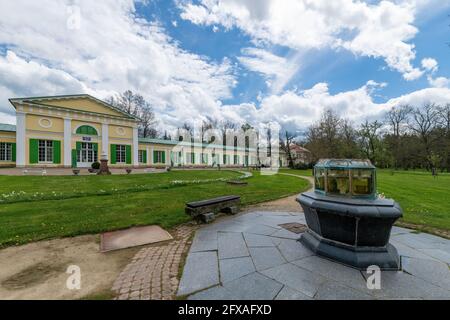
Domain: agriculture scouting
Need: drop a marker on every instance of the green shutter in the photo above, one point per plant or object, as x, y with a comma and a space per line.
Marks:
95, 145
78, 146
74, 158
56, 152
128, 154
154, 156
34, 151
113, 154
14, 151
144, 156
163, 157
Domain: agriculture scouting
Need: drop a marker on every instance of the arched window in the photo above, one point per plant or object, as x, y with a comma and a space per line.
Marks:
180, 138
87, 130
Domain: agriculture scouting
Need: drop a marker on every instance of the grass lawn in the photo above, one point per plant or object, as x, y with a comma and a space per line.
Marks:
25, 221
424, 199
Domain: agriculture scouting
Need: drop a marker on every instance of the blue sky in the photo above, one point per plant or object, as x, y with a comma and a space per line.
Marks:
254, 61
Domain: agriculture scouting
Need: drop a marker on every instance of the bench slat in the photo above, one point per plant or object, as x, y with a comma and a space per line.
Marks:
202, 203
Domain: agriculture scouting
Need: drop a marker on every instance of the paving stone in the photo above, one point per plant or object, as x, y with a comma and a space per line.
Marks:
400, 285
334, 271
275, 221
404, 250
296, 278
283, 233
231, 245
267, 257
292, 250
256, 240
231, 269
434, 272
399, 230
332, 290
201, 271
254, 286
261, 229
290, 294
204, 241
215, 293
417, 241
438, 254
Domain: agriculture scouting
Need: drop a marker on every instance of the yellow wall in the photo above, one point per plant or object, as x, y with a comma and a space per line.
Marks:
83, 104
10, 137
38, 123
120, 132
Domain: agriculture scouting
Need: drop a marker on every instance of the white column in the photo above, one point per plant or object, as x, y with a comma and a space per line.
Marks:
152, 161
67, 142
20, 139
148, 156
135, 147
105, 140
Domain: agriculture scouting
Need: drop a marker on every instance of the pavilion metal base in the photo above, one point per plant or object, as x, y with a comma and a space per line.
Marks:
386, 258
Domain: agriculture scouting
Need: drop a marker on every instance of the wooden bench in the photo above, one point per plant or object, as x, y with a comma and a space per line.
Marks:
205, 210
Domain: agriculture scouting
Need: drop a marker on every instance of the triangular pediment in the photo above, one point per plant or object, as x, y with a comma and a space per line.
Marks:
83, 102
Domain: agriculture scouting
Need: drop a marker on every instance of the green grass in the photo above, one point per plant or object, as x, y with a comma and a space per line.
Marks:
26, 188
425, 200
24, 222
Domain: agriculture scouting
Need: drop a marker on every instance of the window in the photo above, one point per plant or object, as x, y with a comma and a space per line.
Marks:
141, 156
45, 151
204, 158
225, 159
338, 181
362, 182
159, 157
236, 159
5, 151
87, 130
190, 157
121, 153
87, 153
319, 177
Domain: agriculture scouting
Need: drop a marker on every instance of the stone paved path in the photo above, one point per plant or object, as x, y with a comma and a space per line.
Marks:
251, 257
153, 272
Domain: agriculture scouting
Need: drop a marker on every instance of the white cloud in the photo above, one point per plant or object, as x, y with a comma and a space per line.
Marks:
439, 82
430, 64
381, 30
277, 70
113, 50
298, 110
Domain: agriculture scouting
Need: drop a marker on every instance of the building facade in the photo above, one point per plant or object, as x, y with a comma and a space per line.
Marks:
75, 131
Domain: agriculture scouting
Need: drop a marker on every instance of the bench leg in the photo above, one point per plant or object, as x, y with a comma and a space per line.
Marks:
207, 217
231, 210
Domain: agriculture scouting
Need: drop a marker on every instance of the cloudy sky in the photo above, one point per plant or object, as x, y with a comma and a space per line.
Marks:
243, 60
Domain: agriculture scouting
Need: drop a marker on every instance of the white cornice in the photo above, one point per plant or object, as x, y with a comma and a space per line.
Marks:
73, 114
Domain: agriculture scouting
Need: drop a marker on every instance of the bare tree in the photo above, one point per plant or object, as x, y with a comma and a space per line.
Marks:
148, 121
397, 117
423, 122
286, 146
136, 105
369, 139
